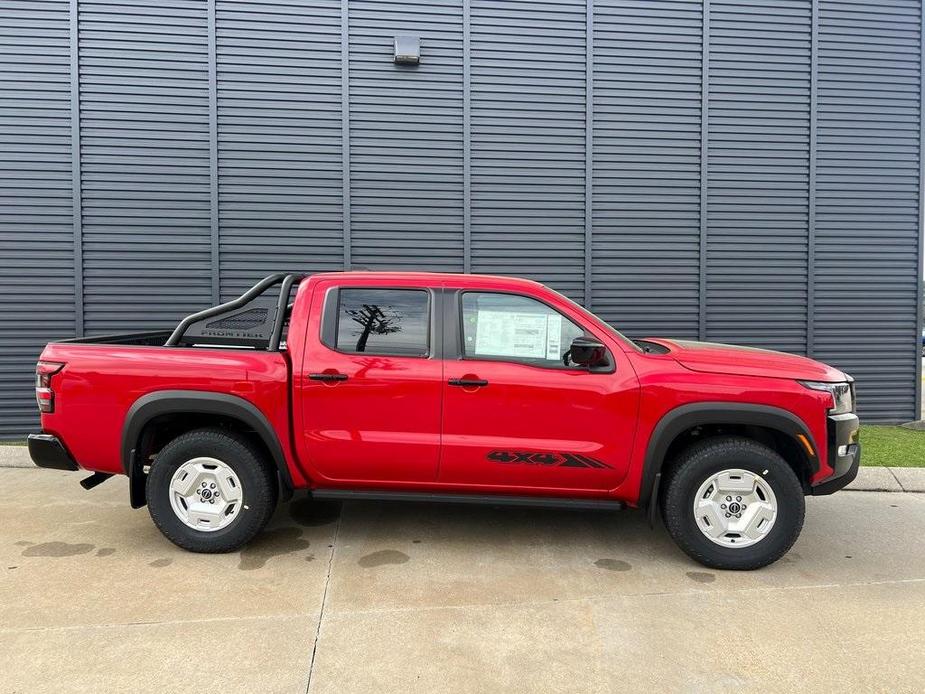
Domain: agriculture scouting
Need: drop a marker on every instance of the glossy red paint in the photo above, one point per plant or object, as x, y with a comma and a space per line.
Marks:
382, 424
530, 408
395, 423
99, 383
709, 357
665, 385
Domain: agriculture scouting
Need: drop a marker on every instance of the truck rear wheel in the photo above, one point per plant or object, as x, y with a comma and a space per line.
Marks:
210, 491
733, 503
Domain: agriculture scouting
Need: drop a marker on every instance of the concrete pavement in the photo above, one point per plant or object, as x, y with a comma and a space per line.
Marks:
407, 597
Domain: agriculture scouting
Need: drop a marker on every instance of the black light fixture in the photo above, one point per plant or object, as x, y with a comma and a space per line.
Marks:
407, 50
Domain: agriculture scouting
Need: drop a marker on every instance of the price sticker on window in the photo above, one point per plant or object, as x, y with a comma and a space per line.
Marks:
520, 335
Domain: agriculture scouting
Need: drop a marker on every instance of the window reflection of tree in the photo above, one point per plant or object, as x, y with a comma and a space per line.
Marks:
374, 320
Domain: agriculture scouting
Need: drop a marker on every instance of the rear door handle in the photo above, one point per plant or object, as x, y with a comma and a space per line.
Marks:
328, 377
467, 382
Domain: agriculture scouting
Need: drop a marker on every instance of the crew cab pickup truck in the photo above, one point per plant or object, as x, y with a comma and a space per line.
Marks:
465, 388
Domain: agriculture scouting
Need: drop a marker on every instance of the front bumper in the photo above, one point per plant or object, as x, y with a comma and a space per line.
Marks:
48, 451
844, 453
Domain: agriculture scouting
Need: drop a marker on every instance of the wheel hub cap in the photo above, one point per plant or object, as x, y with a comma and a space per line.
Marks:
205, 494
735, 508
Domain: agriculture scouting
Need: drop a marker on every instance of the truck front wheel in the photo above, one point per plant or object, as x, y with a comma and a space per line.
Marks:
211, 490
733, 503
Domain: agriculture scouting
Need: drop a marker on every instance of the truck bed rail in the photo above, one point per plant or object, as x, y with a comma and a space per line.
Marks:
147, 338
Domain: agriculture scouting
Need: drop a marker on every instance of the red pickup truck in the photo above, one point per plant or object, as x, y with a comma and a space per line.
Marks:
465, 388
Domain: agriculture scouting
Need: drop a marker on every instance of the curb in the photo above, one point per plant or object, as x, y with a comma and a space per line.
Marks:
869, 479
911, 479
875, 479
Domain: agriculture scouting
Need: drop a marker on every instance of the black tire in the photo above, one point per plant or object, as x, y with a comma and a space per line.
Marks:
701, 460
258, 482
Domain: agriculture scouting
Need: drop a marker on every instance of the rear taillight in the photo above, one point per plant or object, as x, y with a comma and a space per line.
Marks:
44, 395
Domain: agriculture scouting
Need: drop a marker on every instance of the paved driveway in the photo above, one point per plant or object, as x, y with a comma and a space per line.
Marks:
389, 597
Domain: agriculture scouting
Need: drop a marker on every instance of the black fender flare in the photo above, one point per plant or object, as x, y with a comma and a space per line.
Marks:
682, 418
162, 402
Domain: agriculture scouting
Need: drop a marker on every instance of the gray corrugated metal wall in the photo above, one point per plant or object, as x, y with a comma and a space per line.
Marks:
739, 171
528, 140
868, 179
278, 127
406, 198
758, 173
36, 206
647, 165
144, 161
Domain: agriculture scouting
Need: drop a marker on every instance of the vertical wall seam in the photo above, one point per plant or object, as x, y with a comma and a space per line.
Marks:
76, 182
811, 190
704, 163
589, 149
467, 136
345, 123
920, 294
213, 156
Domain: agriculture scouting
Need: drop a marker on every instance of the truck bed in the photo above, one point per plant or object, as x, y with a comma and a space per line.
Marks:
103, 377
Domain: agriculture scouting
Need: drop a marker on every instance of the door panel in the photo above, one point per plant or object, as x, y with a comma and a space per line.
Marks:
538, 425
531, 427
367, 416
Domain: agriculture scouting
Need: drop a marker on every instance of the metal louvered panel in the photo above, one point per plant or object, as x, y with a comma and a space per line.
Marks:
759, 113
528, 140
36, 232
279, 139
479, 158
647, 90
145, 162
406, 158
867, 199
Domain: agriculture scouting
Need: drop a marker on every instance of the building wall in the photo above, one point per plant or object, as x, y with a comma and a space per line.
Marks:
731, 171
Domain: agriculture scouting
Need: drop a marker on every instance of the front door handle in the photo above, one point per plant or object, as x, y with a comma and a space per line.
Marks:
467, 382
328, 377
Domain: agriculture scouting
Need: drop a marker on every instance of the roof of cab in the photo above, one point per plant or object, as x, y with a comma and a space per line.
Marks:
452, 278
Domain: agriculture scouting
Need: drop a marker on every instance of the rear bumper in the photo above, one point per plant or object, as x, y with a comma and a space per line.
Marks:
48, 451
844, 453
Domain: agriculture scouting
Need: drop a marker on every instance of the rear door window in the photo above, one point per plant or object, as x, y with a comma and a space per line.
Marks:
388, 322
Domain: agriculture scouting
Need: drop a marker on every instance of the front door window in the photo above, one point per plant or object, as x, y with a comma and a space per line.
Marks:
515, 328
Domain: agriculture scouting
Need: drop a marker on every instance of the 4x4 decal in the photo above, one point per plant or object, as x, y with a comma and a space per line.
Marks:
546, 459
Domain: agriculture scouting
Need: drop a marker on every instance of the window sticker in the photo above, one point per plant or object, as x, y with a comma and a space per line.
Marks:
553, 336
521, 335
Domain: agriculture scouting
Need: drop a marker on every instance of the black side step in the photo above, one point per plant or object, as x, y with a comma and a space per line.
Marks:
94, 480
481, 499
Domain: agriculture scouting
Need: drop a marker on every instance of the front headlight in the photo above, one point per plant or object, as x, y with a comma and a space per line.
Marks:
842, 395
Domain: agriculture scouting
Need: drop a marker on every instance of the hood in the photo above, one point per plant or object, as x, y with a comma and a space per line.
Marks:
710, 357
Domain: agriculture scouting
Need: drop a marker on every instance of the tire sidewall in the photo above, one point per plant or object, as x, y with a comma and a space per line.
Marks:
233, 452
725, 455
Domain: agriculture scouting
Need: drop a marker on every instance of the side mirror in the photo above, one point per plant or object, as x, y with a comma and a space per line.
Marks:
586, 351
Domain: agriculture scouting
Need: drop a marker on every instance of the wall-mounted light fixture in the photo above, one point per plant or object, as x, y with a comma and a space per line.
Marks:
407, 50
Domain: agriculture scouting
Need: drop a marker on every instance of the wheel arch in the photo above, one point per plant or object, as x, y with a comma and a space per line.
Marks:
204, 407
686, 418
